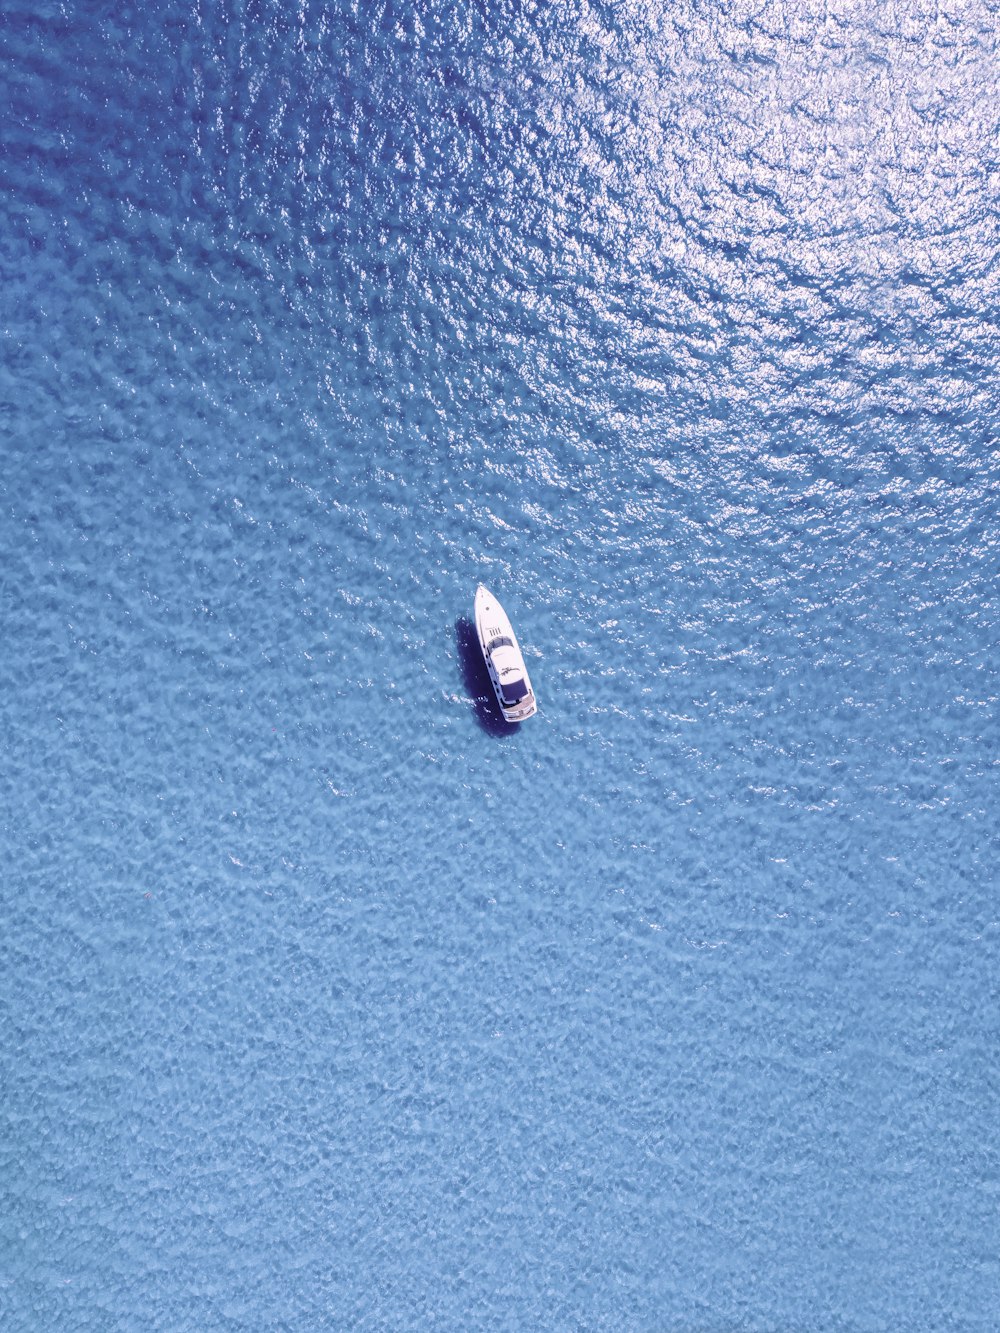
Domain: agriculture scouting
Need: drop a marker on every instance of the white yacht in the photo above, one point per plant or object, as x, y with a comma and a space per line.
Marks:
503, 659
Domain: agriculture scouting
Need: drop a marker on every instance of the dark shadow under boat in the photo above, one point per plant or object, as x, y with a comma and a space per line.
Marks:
476, 680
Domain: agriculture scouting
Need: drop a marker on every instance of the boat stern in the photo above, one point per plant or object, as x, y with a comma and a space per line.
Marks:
522, 710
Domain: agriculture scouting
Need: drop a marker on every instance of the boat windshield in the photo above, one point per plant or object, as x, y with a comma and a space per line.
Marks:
512, 691
500, 642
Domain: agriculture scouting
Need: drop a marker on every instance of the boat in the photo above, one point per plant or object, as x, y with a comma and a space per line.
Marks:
503, 658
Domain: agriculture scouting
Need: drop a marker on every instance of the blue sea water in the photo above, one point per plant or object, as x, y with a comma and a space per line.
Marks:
326, 1001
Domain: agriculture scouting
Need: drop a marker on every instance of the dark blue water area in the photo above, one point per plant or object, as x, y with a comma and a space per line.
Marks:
330, 1001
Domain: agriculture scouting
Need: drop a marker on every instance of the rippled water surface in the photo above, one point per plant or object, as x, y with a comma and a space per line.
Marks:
329, 1003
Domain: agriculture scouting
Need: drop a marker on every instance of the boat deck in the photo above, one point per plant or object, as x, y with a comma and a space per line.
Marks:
526, 708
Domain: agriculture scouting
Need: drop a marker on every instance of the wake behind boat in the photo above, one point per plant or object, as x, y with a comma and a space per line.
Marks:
503, 658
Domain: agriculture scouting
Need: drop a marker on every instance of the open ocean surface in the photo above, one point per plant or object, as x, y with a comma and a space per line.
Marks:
325, 1001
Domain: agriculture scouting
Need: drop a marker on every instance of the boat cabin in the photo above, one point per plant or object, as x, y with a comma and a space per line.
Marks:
507, 665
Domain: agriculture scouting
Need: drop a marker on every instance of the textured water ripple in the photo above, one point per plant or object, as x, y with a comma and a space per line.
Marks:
328, 1002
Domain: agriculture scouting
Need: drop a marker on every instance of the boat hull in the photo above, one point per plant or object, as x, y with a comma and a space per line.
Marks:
503, 657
